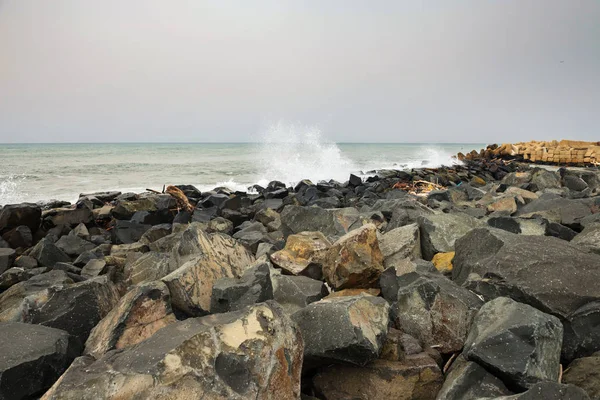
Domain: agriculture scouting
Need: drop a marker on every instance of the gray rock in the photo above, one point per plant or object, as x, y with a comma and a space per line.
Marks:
93, 268
254, 353
25, 262
33, 358
13, 215
585, 373
467, 380
582, 332
81, 231
563, 211
156, 232
516, 342
349, 329
434, 310
543, 179
589, 238
73, 245
332, 222
98, 253
150, 266
7, 258
125, 232
47, 253
252, 235
400, 243
440, 231
13, 276
407, 212
545, 272
296, 292
549, 391
574, 183
231, 294
67, 217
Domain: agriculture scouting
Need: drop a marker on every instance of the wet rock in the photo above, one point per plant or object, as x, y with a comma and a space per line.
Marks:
589, 238
254, 353
417, 377
47, 253
516, 342
585, 374
19, 237
467, 380
348, 329
439, 232
14, 215
355, 260
149, 267
434, 310
333, 222
145, 309
125, 232
304, 254
400, 243
33, 358
7, 258
93, 268
205, 214
74, 245
230, 294
296, 292
545, 272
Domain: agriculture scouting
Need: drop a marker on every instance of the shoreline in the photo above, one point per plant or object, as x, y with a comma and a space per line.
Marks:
314, 286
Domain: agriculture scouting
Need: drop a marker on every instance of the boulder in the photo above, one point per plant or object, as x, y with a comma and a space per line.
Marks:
416, 378
33, 358
574, 182
155, 233
582, 332
563, 211
355, 260
14, 215
304, 254
434, 310
400, 243
150, 266
545, 272
125, 232
13, 276
585, 373
7, 258
296, 292
405, 212
93, 268
467, 380
269, 218
439, 232
19, 237
348, 329
74, 245
67, 217
253, 353
516, 342
550, 391
145, 309
330, 222
505, 205
397, 345
230, 294
47, 253
252, 235
25, 262
589, 238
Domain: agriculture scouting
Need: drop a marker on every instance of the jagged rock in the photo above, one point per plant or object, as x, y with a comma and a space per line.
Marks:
145, 309
25, 262
167, 243
155, 233
333, 222
516, 342
7, 258
253, 353
19, 237
390, 278
13, 276
14, 215
440, 231
296, 292
589, 238
125, 209
67, 267
563, 211
397, 345
355, 260
353, 292
585, 373
582, 332
349, 329
126, 232
47, 253
550, 391
93, 268
504, 205
74, 245
405, 212
548, 273
252, 235
400, 243
574, 182
98, 252
417, 377
230, 294
304, 254
269, 218
467, 380
33, 358
67, 216
434, 310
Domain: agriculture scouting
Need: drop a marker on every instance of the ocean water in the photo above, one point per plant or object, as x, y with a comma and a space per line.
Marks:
34, 172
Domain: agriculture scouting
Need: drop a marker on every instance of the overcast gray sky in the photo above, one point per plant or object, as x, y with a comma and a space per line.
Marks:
365, 71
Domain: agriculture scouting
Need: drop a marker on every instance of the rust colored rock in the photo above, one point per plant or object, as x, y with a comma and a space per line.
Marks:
139, 314
353, 292
355, 260
505, 205
303, 254
443, 261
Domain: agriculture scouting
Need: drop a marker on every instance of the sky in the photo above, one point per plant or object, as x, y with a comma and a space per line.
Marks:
362, 71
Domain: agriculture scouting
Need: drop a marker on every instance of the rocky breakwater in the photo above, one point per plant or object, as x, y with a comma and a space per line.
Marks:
470, 282
564, 152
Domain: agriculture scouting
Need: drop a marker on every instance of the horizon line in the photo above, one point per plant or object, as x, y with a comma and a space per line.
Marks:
59, 143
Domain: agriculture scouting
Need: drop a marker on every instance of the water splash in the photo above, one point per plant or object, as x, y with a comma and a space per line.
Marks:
11, 189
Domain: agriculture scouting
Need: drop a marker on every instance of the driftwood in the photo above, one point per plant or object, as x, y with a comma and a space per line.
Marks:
419, 188
180, 197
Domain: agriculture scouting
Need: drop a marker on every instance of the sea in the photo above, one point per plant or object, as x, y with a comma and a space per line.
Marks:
41, 172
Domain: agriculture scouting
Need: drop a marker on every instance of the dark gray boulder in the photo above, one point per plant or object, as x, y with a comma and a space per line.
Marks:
47, 253
252, 235
439, 232
13, 215
67, 217
13, 276
349, 329
563, 211
574, 182
589, 238
585, 373
156, 232
19, 237
549, 391
582, 332
516, 342
230, 294
330, 222
7, 258
550, 274
26, 262
467, 380
296, 292
125, 232
74, 245
33, 358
